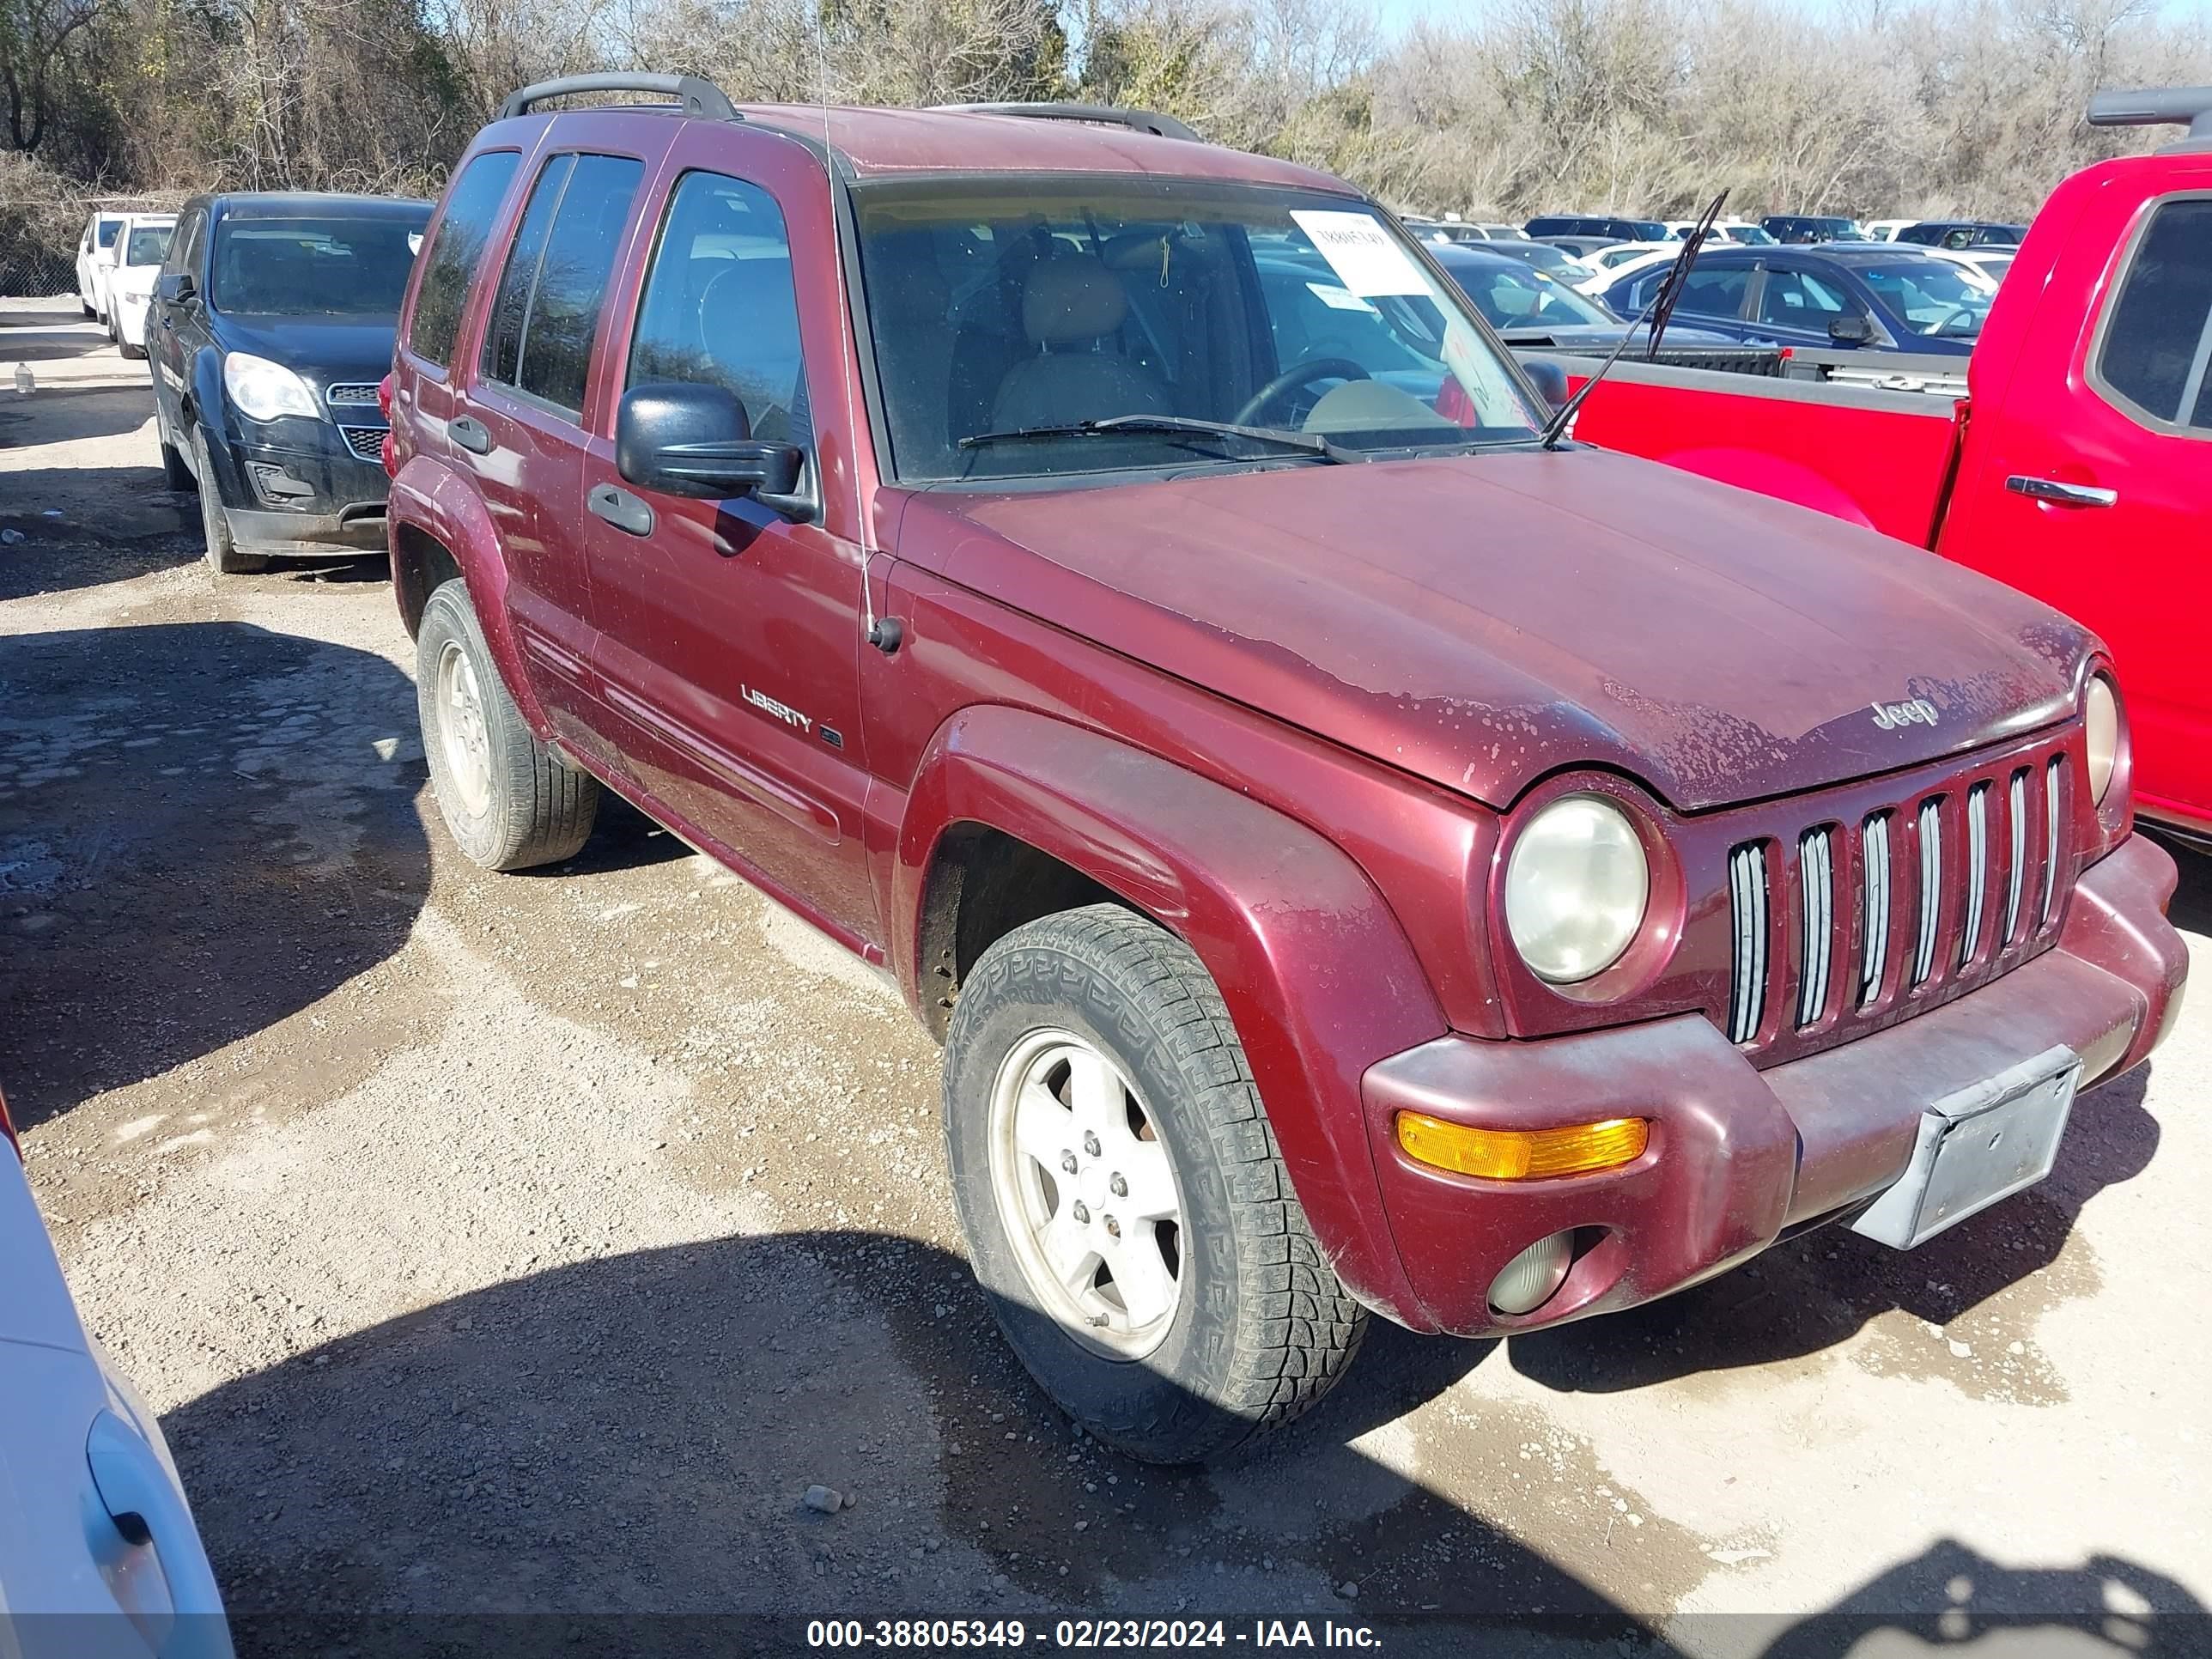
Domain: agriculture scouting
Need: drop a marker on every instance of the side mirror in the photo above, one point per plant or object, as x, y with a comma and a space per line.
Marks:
1550, 380
697, 441
1850, 330
174, 287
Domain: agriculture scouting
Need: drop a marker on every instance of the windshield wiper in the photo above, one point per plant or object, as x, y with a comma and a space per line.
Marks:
1312, 442
1655, 314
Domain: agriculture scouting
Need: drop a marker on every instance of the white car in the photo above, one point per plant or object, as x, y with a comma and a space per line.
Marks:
1985, 264
99, 1555
1724, 231
1885, 230
1621, 256
141, 247
96, 250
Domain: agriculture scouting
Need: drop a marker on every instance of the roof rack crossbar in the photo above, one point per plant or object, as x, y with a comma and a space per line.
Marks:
693, 94
1140, 120
2189, 106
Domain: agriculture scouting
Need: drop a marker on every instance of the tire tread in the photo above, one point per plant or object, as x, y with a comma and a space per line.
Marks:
1297, 1329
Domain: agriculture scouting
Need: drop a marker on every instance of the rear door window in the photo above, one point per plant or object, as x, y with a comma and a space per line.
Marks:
1706, 292
556, 282
2157, 342
471, 207
1794, 300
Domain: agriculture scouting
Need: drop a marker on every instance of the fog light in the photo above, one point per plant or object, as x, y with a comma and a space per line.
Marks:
1522, 1154
1526, 1283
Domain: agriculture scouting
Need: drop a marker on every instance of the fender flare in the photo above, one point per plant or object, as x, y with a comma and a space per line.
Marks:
429, 496
210, 409
1319, 979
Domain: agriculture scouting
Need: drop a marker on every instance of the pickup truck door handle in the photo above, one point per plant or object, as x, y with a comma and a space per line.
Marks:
621, 509
2067, 495
470, 433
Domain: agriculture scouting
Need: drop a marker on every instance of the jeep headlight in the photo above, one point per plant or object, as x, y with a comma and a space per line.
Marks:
2101, 712
1576, 883
261, 390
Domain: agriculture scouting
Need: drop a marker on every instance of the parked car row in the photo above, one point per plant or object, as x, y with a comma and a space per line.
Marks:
2083, 473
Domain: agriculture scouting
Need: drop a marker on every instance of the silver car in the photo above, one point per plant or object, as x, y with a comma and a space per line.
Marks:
98, 1557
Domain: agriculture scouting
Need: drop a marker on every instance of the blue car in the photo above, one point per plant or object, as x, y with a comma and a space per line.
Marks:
1874, 296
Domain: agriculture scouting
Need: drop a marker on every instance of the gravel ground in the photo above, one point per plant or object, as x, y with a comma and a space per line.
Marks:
531, 1243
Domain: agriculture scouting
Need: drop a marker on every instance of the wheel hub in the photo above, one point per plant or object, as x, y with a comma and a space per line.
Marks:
1088, 1193
464, 735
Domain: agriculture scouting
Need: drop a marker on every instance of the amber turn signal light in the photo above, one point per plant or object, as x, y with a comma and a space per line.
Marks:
1522, 1154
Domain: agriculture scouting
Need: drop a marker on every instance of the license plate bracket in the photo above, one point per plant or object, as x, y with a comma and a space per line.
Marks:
1977, 1146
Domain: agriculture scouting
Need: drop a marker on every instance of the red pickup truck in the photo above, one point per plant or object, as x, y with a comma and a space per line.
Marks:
2078, 467
1356, 857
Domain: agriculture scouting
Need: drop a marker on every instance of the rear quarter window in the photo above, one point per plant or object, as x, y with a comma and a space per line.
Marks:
2154, 354
455, 250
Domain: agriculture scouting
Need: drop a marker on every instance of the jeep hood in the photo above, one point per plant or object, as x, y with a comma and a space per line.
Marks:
1484, 620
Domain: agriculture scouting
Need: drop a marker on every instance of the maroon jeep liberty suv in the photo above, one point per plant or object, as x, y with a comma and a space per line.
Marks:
1357, 856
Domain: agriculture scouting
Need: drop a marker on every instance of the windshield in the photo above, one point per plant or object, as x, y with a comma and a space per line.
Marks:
333, 267
1011, 306
1751, 236
1932, 296
1520, 296
148, 245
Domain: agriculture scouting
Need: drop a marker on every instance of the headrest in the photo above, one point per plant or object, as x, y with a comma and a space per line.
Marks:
1066, 300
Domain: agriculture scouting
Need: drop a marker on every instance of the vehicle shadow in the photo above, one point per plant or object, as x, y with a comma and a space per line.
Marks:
48, 335
59, 557
1811, 1292
613, 1455
2191, 911
70, 414
204, 829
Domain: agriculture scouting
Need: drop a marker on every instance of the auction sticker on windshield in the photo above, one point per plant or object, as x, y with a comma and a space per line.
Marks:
1361, 253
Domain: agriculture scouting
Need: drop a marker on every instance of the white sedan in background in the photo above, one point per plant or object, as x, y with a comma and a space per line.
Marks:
1984, 265
98, 1556
140, 249
96, 250
1608, 262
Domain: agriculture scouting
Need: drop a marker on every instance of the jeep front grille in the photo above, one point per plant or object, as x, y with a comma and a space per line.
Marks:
1922, 898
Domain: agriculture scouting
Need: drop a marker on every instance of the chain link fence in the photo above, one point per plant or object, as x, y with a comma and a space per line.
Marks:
42, 219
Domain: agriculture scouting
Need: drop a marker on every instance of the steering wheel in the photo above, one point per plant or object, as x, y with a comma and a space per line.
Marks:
1297, 374
1944, 324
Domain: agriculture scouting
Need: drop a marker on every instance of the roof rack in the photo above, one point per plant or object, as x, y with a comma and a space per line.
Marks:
1140, 120
693, 96
2189, 106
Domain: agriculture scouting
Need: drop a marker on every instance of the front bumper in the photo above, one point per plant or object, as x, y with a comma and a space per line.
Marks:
1739, 1155
130, 311
294, 500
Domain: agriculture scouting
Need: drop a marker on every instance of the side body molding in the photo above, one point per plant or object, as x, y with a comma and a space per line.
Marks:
1318, 977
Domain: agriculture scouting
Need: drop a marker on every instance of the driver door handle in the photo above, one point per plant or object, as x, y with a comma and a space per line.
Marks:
470, 433
2067, 495
625, 511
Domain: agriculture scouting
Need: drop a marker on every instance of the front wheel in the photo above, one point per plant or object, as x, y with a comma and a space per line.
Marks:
1124, 1204
222, 555
506, 797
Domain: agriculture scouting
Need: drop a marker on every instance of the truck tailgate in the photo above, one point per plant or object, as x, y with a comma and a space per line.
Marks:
1875, 457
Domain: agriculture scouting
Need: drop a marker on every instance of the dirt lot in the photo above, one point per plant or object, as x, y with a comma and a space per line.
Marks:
531, 1242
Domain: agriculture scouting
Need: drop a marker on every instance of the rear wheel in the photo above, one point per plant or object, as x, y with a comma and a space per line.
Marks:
1124, 1204
505, 797
176, 474
222, 555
